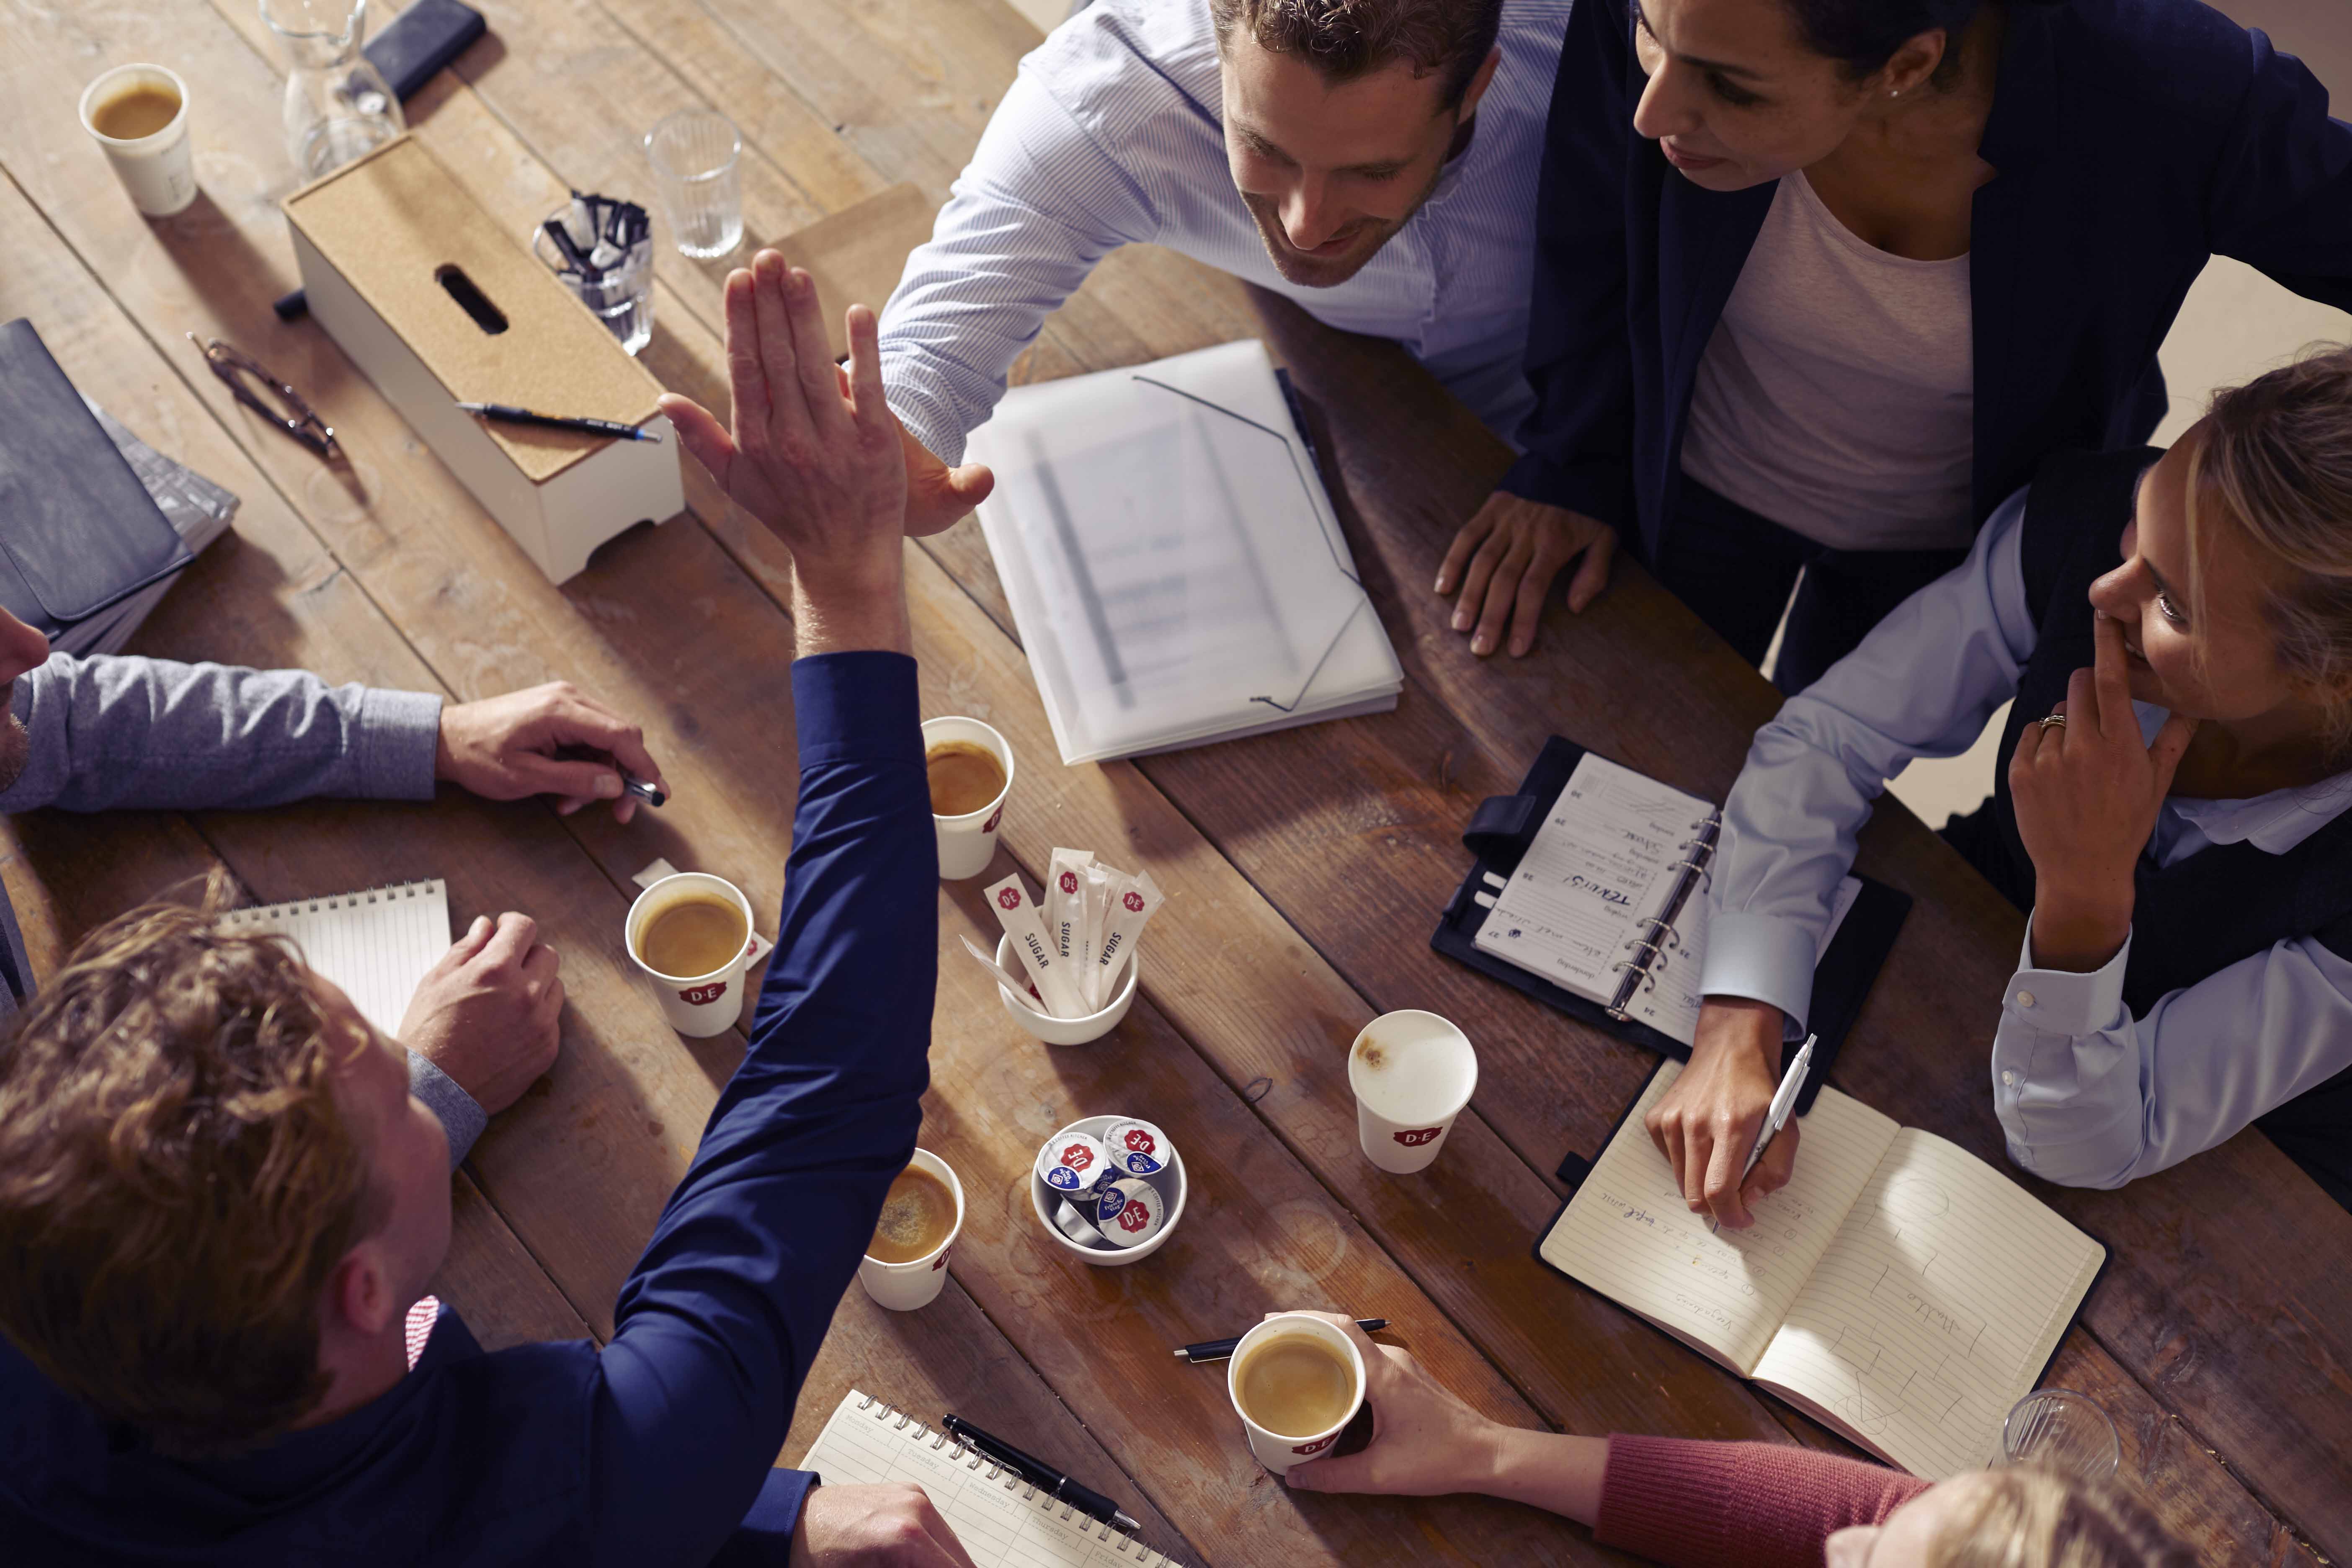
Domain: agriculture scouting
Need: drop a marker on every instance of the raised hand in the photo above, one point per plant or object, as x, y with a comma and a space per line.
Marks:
2086, 791
528, 743
1505, 559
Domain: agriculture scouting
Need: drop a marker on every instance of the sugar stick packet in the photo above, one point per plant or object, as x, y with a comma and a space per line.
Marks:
1065, 898
1133, 901
1020, 984
1025, 924
1094, 893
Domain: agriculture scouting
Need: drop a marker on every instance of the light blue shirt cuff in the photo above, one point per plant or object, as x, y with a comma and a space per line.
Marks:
462, 1118
2063, 1001
399, 735
2048, 1057
1766, 957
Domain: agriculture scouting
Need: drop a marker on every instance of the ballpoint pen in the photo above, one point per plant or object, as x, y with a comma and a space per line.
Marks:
507, 413
1218, 1350
1039, 1474
1784, 1101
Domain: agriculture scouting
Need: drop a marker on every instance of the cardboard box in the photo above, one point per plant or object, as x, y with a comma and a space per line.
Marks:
436, 300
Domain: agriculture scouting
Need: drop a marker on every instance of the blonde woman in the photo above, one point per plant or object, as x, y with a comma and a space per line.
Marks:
1759, 1505
2171, 807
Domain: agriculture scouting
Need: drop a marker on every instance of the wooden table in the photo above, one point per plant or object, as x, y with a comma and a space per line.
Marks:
1304, 869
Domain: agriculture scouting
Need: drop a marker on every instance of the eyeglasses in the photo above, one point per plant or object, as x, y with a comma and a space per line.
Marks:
248, 379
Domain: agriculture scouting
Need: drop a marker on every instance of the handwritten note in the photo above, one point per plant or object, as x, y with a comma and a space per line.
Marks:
1594, 875
1629, 1234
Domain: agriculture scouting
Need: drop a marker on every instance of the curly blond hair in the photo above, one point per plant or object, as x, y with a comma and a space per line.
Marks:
177, 1180
2032, 1517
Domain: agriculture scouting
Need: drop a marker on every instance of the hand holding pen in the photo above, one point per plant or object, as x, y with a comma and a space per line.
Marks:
549, 739
1784, 1102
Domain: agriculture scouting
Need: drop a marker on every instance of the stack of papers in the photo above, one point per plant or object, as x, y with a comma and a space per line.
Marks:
1175, 567
198, 511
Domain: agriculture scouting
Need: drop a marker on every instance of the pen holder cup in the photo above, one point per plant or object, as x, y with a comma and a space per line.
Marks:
623, 299
1067, 1031
1174, 1186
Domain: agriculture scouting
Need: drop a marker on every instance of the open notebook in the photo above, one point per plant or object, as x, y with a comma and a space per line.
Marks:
1001, 1521
375, 945
1900, 1290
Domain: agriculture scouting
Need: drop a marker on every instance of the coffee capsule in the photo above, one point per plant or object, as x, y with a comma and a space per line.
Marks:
1129, 1211
1137, 1147
1073, 1163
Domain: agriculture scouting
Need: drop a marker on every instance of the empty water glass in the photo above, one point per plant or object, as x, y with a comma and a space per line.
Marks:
2064, 1430
697, 157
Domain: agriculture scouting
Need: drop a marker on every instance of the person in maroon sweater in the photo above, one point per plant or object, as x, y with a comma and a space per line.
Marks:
1759, 1505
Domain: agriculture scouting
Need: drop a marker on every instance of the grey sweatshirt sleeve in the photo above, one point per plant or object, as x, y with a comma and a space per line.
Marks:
148, 732
462, 1117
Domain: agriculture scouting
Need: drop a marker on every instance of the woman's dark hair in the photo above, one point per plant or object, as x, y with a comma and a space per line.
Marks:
1862, 35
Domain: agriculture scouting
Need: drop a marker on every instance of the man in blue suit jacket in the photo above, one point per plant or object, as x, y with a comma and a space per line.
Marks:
219, 1199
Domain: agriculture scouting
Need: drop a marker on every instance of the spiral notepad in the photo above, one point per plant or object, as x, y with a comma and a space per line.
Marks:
376, 944
1001, 1521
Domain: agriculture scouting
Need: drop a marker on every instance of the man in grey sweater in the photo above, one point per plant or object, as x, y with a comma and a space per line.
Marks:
88, 734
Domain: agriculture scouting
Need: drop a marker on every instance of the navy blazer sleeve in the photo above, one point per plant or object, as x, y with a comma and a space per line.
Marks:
1580, 354
716, 1329
2282, 194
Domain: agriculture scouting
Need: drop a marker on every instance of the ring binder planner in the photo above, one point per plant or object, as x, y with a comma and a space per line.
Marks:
1586, 896
1001, 1519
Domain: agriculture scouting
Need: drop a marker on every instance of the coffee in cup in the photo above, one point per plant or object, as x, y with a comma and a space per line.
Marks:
1412, 1072
906, 1266
970, 772
1296, 1381
965, 778
691, 934
917, 1217
1294, 1385
693, 937
138, 114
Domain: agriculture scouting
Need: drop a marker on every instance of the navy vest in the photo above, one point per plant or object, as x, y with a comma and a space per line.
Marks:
2227, 902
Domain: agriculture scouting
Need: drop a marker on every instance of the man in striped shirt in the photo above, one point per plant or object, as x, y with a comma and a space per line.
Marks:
1373, 160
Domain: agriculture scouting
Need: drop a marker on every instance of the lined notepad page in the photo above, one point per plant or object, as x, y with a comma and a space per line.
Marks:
1002, 1522
1669, 999
376, 944
1627, 1233
1935, 1308
1593, 875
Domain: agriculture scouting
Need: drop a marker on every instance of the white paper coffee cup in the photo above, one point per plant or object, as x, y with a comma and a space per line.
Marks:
1273, 1450
903, 1286
699, 1005
1412, 1072
968, 843
157, 170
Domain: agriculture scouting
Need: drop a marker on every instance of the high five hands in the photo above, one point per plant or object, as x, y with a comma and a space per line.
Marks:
2087, 791
1504, 561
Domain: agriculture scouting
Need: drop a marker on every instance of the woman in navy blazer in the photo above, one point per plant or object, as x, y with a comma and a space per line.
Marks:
2081, 160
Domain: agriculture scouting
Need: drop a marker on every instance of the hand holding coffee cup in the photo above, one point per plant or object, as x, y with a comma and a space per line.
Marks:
906, 1264
1425, 1441
970, 771
1296, 1381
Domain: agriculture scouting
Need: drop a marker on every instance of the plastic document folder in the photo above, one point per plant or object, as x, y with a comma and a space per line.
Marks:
1175, 567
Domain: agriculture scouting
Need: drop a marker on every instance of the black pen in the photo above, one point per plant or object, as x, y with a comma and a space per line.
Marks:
1220, 1349
507, 415
1039, 1474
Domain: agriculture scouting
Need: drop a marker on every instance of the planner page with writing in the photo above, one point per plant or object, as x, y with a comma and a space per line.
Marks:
1596, 871
375, 945
1669, 998
1627, 1233
1934, 1309
1001, 1521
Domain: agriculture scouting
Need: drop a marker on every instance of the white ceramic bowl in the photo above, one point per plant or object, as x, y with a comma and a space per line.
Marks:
1067, 1031
1173, 1184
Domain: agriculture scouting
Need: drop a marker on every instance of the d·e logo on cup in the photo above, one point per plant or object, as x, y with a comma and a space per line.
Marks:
989, 826
938, 1262
1418, 1136
698, 994
1317, 1447
1134, 1217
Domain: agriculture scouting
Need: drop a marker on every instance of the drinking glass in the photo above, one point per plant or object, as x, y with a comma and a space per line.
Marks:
697, 157
2063, 1429
337, 105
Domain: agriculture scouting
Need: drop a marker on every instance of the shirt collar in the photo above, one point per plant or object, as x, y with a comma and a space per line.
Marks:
2273, 822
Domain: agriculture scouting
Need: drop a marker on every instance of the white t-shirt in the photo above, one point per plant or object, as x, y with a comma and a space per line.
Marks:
1838, 395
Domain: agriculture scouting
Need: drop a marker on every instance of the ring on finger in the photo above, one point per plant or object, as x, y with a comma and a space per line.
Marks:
2052, 722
